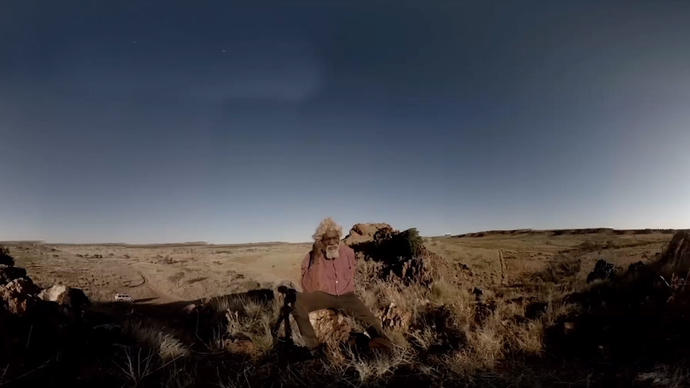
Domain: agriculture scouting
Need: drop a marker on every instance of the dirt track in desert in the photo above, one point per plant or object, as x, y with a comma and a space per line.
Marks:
177, 272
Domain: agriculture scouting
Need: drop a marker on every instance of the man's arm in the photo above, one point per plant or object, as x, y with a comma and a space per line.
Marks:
306, 278
353, 262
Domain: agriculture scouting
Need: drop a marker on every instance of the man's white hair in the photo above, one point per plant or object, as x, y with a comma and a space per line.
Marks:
327, 225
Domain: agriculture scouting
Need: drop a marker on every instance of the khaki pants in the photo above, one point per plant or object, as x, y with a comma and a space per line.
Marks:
347, 303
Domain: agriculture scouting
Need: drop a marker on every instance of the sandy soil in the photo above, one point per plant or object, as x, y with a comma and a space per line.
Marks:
160, 273
177, 272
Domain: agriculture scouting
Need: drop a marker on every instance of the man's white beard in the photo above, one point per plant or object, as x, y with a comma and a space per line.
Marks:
332, 252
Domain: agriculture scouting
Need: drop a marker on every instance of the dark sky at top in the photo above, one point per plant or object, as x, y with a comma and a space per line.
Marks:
156, 121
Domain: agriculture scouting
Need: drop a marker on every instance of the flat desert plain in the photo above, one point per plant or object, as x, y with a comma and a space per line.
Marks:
178, 272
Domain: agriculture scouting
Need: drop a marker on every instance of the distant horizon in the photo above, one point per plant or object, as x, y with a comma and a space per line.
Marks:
203, 242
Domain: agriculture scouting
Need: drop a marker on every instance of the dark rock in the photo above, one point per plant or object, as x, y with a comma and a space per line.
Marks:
358, 342
402, 255
482, 311
478, 294
676, 257
535, 310
602, 270
9, 273
5, 257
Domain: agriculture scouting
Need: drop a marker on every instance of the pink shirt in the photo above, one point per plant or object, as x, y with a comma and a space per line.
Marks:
335, 277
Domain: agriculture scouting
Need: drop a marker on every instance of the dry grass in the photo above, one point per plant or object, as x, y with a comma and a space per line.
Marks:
252, 319
137, 366
371, 369
165, 345
441, 330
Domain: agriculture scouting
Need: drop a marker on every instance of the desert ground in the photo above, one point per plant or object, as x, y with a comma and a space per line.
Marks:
161, 273
573, 307
178, 272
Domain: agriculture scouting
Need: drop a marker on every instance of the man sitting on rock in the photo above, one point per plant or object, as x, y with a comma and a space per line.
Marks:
328, 282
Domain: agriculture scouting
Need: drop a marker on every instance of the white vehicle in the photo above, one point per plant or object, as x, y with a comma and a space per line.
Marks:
123, 298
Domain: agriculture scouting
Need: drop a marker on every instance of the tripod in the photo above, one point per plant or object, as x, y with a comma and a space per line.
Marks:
290, 296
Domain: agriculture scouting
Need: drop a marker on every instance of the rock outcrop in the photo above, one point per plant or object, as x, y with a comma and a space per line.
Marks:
19, 296
363, 233
5, 257
676, 257
9, 273
401, 254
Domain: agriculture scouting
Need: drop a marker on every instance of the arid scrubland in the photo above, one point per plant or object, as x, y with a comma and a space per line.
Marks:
520, 308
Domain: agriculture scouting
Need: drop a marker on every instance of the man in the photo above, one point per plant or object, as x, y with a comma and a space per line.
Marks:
328, 282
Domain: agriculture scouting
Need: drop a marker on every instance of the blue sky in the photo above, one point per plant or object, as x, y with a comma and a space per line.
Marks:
165, 121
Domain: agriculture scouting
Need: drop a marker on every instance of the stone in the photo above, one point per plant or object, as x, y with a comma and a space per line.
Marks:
9, 273
676, 257
330, 326
5, 257
394, 317
367, 232
602, 270
240, 343
51, 294
19, 296
72, 298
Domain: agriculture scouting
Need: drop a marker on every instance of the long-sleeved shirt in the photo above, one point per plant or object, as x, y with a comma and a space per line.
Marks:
335, 277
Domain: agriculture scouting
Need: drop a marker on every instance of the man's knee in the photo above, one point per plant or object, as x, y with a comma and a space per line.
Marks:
359, 310
310, 301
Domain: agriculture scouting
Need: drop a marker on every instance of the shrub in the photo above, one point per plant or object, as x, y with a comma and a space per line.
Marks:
5, 257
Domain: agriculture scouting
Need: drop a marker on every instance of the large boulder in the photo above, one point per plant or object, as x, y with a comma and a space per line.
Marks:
8, 273
72, 298
330, 326
676, 257
19, 296
400, 255
52, 294
363, 233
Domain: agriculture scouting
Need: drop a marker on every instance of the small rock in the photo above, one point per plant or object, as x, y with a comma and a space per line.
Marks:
478, 293
240, 343
394, 317
568, 327
190, 308
482, 311
330, 326
602, 270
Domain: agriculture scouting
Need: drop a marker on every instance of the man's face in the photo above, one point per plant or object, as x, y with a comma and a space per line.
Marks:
331, 242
